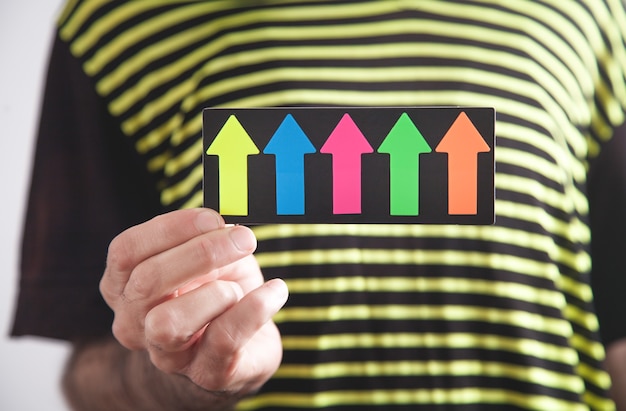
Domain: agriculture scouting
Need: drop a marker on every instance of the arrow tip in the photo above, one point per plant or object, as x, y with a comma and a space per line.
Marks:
232, 139
346, 137
462, 136
289, 138
404, 137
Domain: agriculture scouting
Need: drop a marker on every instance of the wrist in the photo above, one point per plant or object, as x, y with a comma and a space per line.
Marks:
176, 391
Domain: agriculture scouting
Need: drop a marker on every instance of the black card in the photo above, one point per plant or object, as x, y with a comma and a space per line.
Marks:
432, 165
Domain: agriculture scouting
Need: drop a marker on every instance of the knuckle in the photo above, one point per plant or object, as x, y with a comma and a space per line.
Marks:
108, 295
225, 343
264, 307
207, 250
164, 329
119, 256
229, 291
162, 226
143, 282
125, 335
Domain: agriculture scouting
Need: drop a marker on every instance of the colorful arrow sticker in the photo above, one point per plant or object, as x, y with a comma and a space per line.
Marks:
404, 144
462, 143
289, 144
233, 145
346, 143
318, 165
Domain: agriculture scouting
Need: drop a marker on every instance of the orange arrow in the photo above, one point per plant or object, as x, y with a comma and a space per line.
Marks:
462, 143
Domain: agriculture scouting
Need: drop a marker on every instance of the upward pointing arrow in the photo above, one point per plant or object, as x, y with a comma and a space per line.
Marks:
289, 144
346, 143
233, 145
404, 144
462, 142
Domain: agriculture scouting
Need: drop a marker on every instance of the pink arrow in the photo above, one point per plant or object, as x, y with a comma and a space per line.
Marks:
346, 143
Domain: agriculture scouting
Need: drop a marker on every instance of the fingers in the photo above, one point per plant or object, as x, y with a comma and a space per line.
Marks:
161, 274
174, 325
186, 287
231, 331
241, 335
151, 263
145, 240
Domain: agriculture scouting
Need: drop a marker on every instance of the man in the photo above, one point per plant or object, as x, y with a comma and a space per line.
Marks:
378, 317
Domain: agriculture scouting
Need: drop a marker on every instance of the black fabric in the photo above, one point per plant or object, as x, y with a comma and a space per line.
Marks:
607, 198
88, 184
106, 172
114, 175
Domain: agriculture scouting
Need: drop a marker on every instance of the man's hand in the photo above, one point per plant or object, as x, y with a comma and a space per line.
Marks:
186, 288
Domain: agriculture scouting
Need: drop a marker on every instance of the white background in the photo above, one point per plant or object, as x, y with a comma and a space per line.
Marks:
29, 367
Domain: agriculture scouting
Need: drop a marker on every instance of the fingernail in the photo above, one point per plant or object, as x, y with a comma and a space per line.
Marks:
207, 221
243, 238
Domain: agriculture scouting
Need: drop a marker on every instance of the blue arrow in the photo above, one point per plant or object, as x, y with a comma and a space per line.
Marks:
289, 144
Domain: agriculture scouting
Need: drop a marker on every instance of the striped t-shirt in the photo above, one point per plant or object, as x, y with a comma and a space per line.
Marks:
396, 317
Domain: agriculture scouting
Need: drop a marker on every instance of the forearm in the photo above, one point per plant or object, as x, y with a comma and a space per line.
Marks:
102, 375
616, 366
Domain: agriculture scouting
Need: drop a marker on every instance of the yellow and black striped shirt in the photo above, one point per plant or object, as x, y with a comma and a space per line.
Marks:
396, 317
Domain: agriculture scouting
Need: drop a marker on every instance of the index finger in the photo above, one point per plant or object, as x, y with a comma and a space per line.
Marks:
153, 237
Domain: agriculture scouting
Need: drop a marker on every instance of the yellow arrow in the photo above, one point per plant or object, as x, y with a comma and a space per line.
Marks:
233, 145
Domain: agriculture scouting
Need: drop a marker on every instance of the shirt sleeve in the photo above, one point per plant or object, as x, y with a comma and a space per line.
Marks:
607, 197
87, 185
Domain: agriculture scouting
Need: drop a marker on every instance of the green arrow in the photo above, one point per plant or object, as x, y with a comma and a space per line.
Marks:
404, 144
233, 145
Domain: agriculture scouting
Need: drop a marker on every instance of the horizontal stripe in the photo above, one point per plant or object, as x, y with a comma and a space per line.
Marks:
584, 319
195, 201
372, 256
598, 403
325, 74
183, 188
514, 236
161, 133
345, 75
185, 159
433, 368
343, 31
416, 396
136, 33
404, 50
451, 340
541, 192
84, 10
67, 10
546, 168
181, 15
522, 292
558, 50
574, 229
600, 380
593, 349
521, 319
567, 162
544, 243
